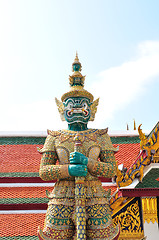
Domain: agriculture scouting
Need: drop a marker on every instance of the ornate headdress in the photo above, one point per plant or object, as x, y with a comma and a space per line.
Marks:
76, 81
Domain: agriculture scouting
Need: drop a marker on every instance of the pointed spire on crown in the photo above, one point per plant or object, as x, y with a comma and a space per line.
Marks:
76, 65
76, 81
76, 58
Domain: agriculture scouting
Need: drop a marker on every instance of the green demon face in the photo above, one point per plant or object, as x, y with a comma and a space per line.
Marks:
77, 109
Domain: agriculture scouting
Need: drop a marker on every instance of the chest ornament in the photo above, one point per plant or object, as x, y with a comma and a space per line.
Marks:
88, 135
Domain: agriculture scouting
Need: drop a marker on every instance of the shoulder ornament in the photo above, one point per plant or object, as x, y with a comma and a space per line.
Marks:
53, 133
93, 108
102, 131
60, 108
105, 141
49, 144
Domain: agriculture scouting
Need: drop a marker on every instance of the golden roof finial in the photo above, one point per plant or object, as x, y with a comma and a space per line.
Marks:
134, 125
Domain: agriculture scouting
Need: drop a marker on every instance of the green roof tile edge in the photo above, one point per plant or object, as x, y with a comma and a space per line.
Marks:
125, 140
19, 174
41, 140
22, 140
23, 200
149, 181
19, 237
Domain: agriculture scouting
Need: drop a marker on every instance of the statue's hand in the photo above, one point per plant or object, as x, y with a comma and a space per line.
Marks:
77, 170
78, 164
78, 158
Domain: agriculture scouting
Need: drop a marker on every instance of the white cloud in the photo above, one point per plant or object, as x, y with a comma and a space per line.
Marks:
118, 86
36, 116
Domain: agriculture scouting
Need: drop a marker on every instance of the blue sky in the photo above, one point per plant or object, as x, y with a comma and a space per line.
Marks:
118, 46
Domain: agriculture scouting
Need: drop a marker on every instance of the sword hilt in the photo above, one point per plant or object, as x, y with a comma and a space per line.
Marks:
80, 197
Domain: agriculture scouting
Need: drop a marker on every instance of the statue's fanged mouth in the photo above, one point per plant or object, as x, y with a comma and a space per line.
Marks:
77, 110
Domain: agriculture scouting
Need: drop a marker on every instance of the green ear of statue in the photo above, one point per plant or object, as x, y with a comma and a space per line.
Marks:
60, 108
93, 108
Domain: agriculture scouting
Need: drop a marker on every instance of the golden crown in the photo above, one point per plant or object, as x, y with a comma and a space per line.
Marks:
76, 81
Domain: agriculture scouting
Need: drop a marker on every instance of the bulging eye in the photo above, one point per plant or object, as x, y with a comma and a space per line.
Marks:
85, 105
70, 105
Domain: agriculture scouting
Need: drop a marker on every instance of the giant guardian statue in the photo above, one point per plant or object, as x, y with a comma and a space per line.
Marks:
78, 206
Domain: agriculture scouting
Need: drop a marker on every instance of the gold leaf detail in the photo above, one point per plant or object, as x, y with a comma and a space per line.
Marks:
60, 108
142, 137
93, 108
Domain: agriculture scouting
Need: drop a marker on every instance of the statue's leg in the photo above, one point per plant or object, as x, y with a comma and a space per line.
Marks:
58, 223
100, 224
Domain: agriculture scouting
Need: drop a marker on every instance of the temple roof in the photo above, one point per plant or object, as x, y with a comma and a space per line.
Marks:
20, 225
20, 158
23, 200
150, 180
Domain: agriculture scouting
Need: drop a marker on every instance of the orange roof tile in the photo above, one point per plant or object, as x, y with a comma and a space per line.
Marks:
24, 192
19, 158
127, 153
20, 224
25, 158
33, 192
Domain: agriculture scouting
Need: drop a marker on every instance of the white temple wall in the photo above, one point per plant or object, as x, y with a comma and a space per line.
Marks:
151, 230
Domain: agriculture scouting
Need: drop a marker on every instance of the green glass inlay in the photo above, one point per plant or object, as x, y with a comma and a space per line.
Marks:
149, 181
22, 200
19, 174
20, 237
76, 67
22, 140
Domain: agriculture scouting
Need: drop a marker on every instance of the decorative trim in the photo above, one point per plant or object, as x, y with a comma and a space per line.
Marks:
140, 192
39, 138
24, 180
148, 147
39, 180
149, 208
130, 220
15, 185
23, 212
26, 206
22, 140
18, 174
125, 179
